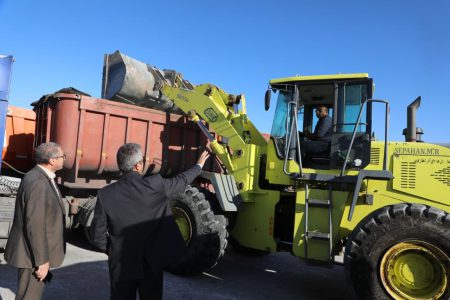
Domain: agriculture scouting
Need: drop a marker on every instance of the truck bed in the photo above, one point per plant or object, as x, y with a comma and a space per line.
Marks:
90, 131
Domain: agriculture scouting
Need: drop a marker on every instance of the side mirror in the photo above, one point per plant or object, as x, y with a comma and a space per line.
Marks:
267, 99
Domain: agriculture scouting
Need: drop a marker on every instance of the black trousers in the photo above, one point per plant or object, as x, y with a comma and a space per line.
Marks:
149, 288
29, 287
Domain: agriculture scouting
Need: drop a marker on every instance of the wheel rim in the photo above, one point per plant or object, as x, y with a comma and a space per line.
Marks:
184, 223
415, 269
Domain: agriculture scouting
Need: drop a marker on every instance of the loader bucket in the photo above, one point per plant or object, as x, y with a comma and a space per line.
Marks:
131, 81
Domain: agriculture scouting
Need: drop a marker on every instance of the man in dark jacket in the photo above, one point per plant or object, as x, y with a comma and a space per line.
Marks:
319, 140
133, 224
36, 241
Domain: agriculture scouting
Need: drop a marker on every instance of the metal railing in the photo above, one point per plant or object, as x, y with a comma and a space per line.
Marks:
386, 125
293, 133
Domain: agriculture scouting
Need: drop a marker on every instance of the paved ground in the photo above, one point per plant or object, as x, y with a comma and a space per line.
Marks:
84, 275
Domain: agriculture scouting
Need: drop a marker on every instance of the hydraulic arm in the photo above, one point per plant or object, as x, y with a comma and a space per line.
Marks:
237, 141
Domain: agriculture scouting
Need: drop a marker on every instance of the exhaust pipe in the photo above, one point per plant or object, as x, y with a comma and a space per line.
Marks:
411, 132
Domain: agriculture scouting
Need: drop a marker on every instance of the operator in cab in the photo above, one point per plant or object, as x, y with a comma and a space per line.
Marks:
319, 141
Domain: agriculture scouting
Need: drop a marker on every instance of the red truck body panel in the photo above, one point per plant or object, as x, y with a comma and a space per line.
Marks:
90, 131
19, 137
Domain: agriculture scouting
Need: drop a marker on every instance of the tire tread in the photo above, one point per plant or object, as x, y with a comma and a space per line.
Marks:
210, 240
361, 242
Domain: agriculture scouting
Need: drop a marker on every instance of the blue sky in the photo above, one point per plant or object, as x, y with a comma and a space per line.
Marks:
404, 45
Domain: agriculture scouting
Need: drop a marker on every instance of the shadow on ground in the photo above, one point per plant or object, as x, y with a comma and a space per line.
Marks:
84, 275
77, 237
272, 276
79, 281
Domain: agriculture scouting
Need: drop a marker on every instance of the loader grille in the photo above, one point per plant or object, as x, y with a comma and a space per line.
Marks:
443, 176
375, 156
408, 175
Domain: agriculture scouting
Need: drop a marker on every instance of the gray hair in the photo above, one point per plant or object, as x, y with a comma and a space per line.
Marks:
128, 156
44, 152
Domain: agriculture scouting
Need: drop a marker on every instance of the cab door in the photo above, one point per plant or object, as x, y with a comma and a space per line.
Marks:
349, 97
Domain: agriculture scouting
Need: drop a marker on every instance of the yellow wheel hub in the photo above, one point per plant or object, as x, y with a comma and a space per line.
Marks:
184, 223
415, 270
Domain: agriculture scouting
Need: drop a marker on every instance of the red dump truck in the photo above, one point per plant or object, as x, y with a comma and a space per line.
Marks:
16, 160
90, 130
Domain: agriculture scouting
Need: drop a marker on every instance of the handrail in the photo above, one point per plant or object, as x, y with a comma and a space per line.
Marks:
293, 129
386, 125
288, 141
346, 124
299, 152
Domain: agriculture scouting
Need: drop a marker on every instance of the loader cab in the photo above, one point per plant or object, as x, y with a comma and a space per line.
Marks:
342, 95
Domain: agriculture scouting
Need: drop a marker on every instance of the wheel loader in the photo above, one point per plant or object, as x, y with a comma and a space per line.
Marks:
383, 204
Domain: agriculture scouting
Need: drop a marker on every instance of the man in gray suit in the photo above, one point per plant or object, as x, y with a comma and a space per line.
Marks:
36, 240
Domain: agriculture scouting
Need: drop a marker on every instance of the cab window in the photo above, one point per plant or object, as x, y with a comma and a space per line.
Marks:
351, 98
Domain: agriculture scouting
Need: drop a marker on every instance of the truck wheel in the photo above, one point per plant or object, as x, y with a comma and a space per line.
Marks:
401, 252
205, 234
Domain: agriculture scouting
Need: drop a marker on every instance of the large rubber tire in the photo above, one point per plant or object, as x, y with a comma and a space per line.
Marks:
401, 252
204, 232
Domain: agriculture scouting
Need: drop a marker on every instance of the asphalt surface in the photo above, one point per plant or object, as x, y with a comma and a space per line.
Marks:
84, 275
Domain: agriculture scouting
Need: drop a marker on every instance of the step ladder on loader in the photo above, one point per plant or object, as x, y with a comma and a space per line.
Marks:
316, 235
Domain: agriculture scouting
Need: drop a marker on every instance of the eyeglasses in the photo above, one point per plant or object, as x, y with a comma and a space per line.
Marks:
61, 156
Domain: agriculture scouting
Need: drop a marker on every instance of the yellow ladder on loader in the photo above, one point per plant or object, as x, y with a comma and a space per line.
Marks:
315, 235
